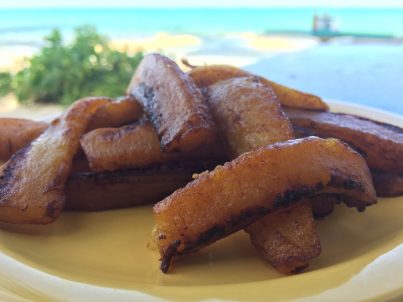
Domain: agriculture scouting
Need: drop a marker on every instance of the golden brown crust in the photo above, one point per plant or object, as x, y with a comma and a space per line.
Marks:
387, 184
17, 133
93, 191
204, 76
382, 144
117, 113
137, 146
287, 237
32, 182
211, 74
236, 194
133, 146
297, 99
174, 104
247, 114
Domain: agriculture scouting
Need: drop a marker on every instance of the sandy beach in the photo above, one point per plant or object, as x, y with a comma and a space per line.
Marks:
239, 49
9, 107
298, 61
234, 49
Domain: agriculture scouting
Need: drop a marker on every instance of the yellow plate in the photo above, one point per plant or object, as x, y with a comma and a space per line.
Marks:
104, 257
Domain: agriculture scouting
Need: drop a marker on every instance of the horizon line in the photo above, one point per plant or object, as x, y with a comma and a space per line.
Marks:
206, 7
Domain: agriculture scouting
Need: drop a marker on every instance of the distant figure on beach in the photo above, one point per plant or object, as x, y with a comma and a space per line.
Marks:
323, 24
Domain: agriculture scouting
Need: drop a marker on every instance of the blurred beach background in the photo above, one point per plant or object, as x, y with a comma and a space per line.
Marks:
323, 50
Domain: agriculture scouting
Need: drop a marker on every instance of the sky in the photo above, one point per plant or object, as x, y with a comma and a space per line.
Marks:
199, 3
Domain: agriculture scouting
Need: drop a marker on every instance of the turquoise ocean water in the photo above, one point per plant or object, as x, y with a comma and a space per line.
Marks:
27, 26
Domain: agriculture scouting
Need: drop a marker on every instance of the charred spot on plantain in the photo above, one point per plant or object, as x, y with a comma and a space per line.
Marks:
146, 94
338, 181
162, 237
218, 231
53, 209
168, 254
294, 195
172, 168
350, 184
11, 166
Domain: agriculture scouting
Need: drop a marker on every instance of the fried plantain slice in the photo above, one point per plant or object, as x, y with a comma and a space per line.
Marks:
137, 146
204, 76
32, 182
174, 104
248, 114
93, 191
387, 184
235, 195
287, 237
120, 112
133, 146
211, 74
293, 98
381, 143
16, 133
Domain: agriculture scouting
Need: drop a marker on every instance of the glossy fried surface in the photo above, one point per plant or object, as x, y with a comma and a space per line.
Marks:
387, 184
174, 104
287, 237
211, 74
32, 182
93, 191
16, 133
247, 114
381, 143
137, 146
297, 99
117, 113
207, 75
234, 195
133, 146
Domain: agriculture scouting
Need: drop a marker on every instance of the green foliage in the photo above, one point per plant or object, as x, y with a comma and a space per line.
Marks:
5, 83
64, 73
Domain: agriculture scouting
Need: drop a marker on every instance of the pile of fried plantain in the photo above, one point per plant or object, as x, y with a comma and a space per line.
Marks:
249, 116
216, 149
